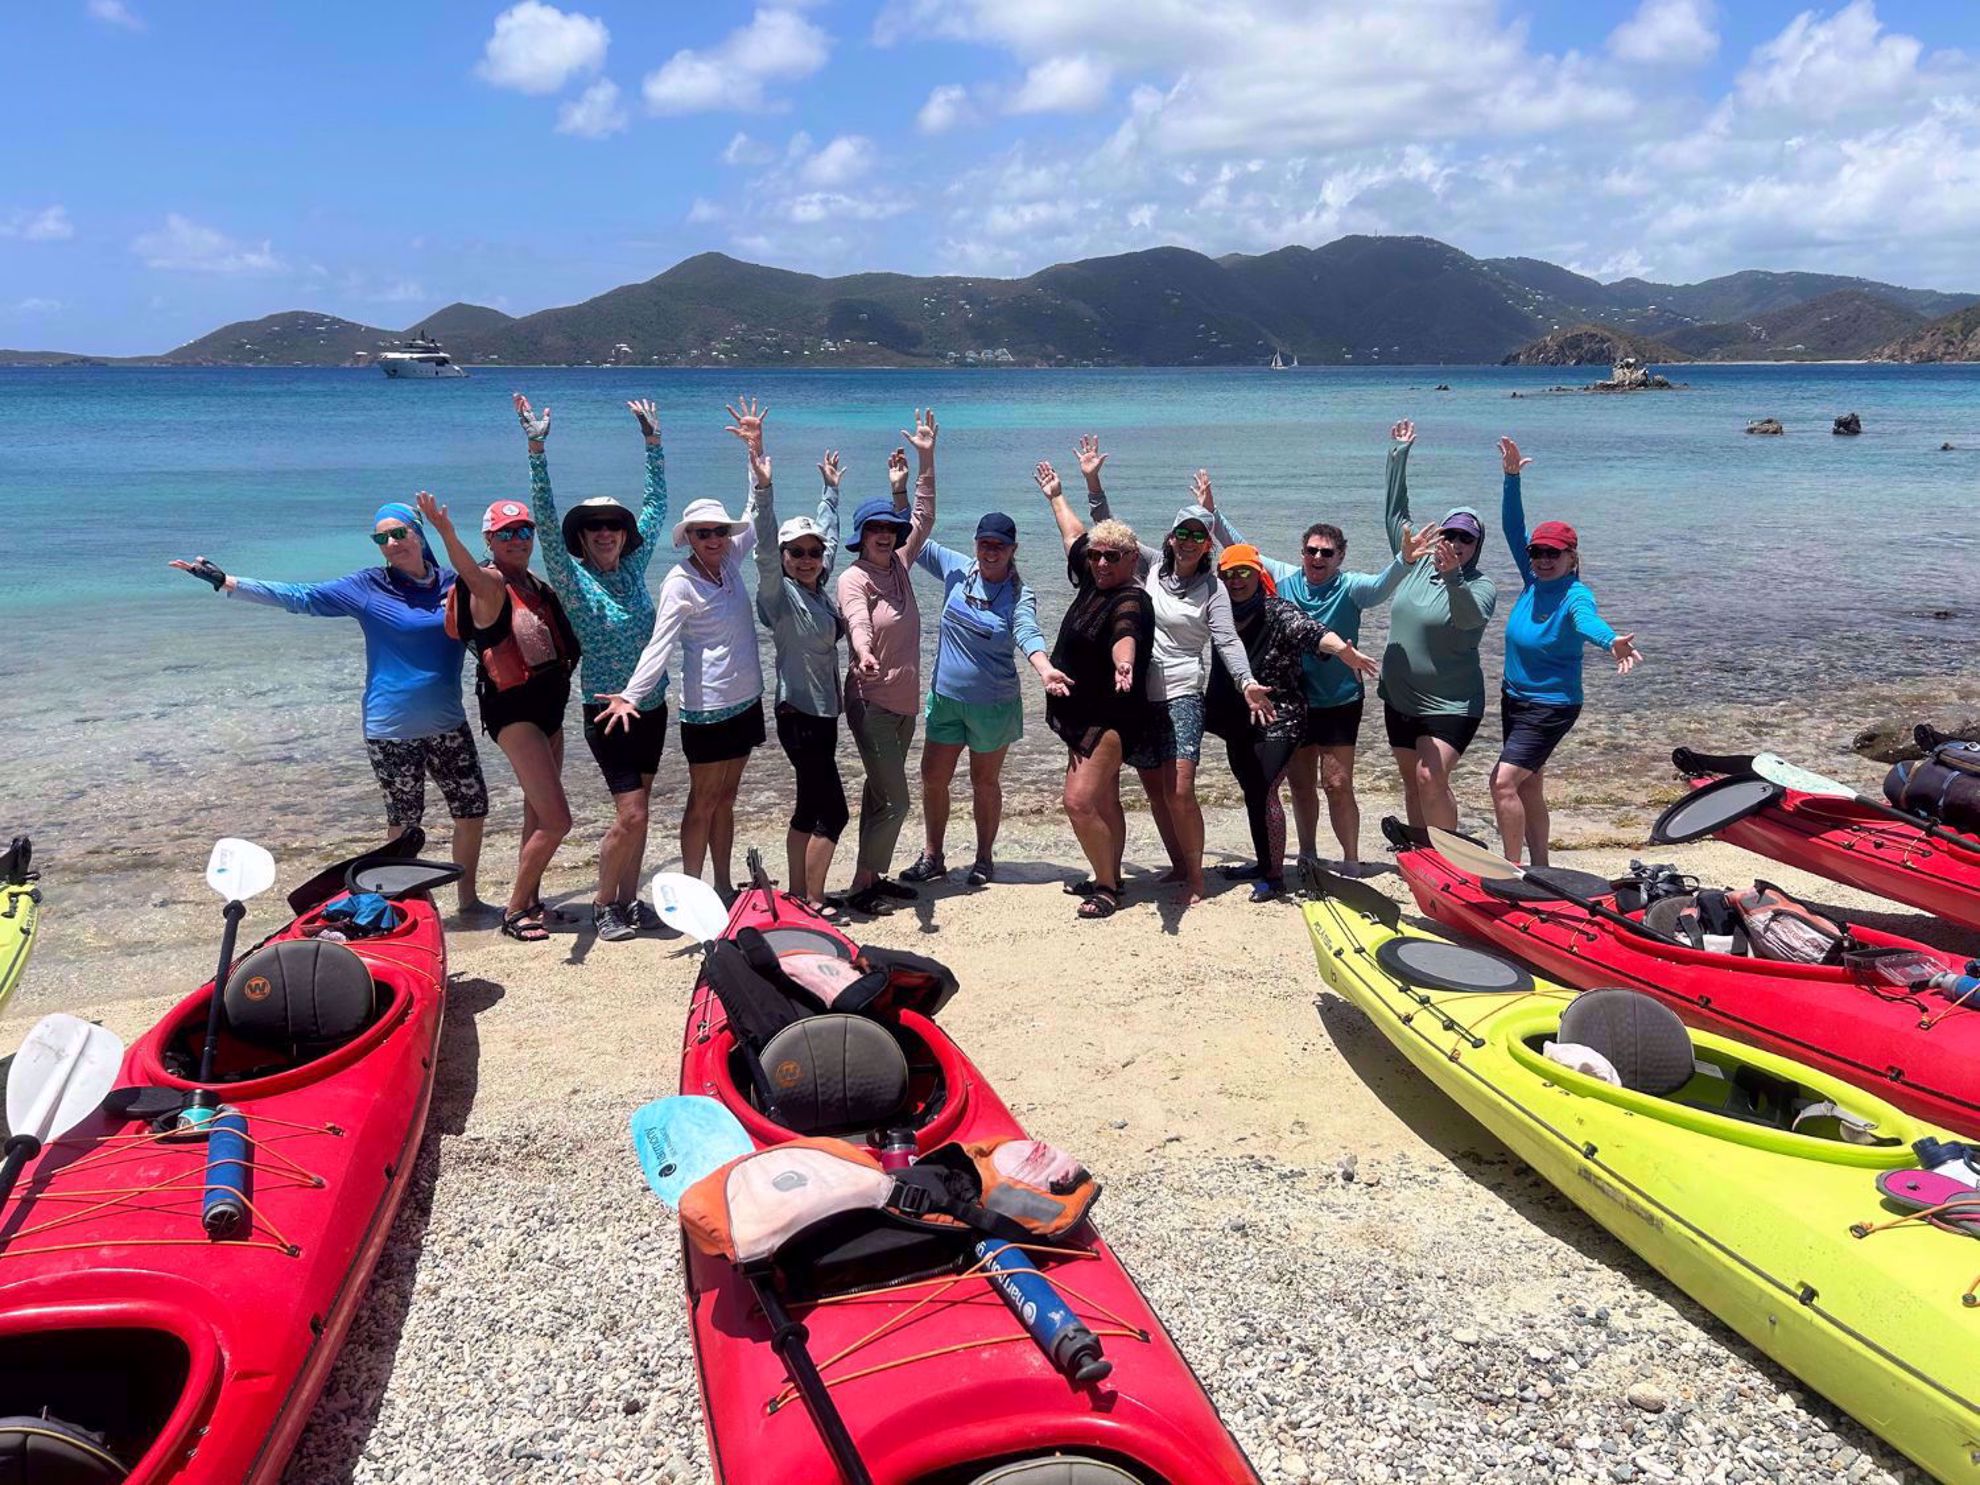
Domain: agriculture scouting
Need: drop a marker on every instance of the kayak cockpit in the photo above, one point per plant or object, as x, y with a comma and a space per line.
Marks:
1630, 1049
83, 1406
293, 1011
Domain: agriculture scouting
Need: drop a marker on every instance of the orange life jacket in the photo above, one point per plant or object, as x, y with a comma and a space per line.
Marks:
503, 667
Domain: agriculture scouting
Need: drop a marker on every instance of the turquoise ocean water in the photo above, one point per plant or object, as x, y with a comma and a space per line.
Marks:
1780, 587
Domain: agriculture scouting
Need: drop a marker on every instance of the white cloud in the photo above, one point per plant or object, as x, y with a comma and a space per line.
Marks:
777, 45
594, 113
1667, 33
704, 210
115, 13
35, 305
49, 224
814, 207
1821, 67
947, 106
742, 150
1063, 85
845, 159
187, 246
537, 48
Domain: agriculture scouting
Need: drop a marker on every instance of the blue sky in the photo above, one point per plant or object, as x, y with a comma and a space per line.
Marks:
175, 164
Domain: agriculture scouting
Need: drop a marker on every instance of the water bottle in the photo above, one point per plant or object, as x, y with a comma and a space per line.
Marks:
1956, 987
1073, 1350
897, 1148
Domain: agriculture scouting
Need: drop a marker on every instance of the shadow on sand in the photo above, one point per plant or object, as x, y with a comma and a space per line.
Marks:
334, 1441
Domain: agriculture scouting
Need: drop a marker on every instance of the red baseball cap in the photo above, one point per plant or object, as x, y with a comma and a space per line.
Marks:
1554, 534
505, 513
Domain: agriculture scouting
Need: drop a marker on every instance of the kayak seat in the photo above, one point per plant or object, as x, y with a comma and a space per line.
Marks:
46, 1451
1662, 915
302, 996
835, 1074
1061, 1470
1641, 1037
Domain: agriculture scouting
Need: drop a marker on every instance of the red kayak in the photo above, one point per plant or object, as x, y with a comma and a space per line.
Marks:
1916, 1049
935, 1378
1835, 838
133, 1346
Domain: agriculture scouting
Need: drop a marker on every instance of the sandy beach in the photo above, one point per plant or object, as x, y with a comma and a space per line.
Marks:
1398, 1298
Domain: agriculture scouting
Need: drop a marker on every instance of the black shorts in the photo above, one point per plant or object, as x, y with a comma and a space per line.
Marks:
540, 700
718, 742
630, 756
1533, 729
1332, 726
1404, 730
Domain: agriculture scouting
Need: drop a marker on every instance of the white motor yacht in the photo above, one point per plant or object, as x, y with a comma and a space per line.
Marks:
422, 356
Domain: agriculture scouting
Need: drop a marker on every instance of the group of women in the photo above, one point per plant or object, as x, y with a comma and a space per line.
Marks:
1161, 644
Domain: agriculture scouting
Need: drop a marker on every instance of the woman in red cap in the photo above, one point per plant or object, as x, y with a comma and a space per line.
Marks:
1277, 638
1552, 620
525, 650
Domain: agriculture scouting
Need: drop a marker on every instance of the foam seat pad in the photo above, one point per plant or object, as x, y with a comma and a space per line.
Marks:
1063, 1471
1642, 1037
1663, 914
298, 993
47, 1451
833, 1073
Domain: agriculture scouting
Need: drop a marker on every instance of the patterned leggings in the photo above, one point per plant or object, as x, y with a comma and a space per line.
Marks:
1259, 764
402, 764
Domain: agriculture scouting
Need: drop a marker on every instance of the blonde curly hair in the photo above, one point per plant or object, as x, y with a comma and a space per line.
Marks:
1115, 534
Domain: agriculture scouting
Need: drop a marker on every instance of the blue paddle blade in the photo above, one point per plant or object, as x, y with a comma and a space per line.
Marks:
681, 1139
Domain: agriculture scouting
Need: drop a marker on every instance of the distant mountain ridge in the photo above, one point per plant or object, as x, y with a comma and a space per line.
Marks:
1355, 301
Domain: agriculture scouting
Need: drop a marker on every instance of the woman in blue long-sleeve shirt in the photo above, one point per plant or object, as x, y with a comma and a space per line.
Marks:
413, 721
1553, 619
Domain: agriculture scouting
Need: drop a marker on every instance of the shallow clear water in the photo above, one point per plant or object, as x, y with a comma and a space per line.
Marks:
1780, 587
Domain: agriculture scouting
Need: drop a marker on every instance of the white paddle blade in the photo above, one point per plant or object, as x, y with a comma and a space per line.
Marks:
689, 904
1476, 859
1777, 770
239, 869
61, 1074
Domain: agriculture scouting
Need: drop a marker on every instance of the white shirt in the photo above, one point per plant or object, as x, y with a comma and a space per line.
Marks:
715, 629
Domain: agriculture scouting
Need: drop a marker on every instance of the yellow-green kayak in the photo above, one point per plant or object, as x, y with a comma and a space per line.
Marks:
1708, 1182
20, 912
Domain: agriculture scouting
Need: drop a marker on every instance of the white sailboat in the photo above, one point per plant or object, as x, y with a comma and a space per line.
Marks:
1279, 363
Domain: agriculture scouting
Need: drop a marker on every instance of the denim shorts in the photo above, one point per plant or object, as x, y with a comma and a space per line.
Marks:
1174, 733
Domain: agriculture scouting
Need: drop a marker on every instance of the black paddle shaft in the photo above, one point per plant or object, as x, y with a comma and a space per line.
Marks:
205, 1098
1540, 877
21, 1148
787, 1339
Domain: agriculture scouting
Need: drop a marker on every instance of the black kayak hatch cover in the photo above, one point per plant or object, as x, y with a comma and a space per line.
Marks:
1711, 809
1435, 965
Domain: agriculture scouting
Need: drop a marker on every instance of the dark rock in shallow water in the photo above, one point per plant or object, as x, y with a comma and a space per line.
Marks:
1765, 425
1848, 423
1891, 741
1944, 448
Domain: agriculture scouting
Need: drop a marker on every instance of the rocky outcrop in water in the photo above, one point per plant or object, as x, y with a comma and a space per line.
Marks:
1891, 740
1849, 424
1765, 425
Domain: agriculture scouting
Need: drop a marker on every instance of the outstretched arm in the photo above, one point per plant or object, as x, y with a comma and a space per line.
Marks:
922, 522
542, 505
1395, 503
748, 426
1227, 534
487, 592
831, 471
653, 508
1070, 529
676, 596
770, 596
1316, 638
1512, 510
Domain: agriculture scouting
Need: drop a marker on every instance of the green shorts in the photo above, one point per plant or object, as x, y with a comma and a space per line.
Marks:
982, 726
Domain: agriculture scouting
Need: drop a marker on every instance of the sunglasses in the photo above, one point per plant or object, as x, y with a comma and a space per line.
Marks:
1322, 554
1190, 533
706, 533
806, 554
1545, 554
1104, 554
514, 533
606, 525
1232, 574
1461, 538
391, 534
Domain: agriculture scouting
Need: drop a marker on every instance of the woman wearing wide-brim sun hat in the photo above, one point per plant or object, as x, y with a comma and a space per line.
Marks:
598, 569
704, 612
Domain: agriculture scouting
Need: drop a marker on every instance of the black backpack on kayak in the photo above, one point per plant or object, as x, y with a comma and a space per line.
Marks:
1944, 784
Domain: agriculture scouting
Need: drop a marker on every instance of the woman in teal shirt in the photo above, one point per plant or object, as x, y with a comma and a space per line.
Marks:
1552, 621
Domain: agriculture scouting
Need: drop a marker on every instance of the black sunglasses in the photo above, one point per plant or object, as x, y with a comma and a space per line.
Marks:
807, 554
1322, 553
1462, 538
605, 525
515, 533
706, 533
1545, 554
1104, 554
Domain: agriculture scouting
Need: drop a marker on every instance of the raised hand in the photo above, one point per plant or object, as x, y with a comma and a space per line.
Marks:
830, 469
748, 424
1416, 545
649, 417
1449, 556
923, 437
206, 570
1048, 480
897, 470
759, 470
1509, 455
1090, 458
1624, 649
434, 511
1200, 491
1404, 433
535, 425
